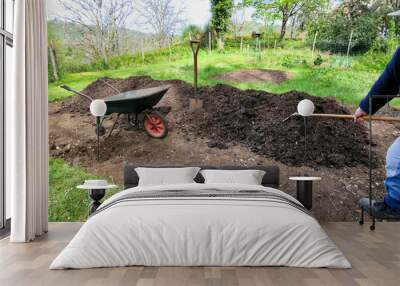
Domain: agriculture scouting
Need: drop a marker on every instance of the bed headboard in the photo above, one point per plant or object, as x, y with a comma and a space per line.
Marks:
271, 177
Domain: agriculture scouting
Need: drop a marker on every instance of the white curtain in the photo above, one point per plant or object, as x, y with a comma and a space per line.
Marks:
27, 124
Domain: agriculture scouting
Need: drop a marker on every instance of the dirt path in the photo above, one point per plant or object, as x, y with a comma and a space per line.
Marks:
256, 75
72, 137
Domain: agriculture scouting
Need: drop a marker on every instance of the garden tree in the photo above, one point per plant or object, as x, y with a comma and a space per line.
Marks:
192, 32
284, 9
395, 4
53, 61
267, 18
313, 10
382, 8
221, 11
351, 17
163, 17
55, 44
238, 21
101, 22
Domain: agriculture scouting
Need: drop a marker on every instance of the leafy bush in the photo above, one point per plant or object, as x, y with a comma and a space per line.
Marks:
193, 31
335, 29
318, 60
287, 61
372, 62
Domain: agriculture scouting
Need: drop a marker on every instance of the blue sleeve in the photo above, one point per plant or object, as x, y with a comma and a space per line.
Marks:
387, 84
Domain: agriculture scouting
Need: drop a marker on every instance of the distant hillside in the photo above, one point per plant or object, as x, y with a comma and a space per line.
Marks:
71, 36
72, 30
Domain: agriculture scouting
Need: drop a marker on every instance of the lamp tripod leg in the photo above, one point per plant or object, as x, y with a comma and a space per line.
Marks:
98, 137
361, 221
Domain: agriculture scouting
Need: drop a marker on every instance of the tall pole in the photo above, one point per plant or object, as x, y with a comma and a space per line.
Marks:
142, 48
305, 139
313, 46
209, 42
370, 153
349, 46
98, 137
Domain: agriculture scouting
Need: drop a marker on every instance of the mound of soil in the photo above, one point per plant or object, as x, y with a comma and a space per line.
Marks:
256, 75
254, 119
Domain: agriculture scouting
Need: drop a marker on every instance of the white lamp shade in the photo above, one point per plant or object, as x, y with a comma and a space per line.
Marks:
98, 107
305, 107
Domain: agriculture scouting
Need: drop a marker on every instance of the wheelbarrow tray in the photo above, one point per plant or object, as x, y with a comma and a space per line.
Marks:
135, 101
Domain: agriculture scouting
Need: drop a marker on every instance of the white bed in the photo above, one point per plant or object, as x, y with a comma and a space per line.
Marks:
201, 231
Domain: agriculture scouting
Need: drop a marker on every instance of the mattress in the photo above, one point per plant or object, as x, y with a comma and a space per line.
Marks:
201, 225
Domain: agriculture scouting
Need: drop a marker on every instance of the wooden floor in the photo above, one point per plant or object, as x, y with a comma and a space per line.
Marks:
375, 257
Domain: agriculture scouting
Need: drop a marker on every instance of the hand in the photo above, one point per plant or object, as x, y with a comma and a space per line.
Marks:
359, 114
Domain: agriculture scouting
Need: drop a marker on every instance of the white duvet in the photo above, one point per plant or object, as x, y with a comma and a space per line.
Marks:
202, 232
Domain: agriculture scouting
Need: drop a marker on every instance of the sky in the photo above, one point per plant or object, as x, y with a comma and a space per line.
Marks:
196, 12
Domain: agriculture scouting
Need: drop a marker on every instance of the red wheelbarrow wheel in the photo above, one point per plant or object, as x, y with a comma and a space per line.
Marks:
156, 125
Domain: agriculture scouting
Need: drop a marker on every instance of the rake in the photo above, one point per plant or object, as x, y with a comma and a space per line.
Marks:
346, 116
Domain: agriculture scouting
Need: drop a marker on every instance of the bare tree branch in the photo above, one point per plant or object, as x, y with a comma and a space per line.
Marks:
163, 17
102, 21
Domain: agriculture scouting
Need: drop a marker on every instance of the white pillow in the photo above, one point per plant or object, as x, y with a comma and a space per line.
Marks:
247, 177
166, 176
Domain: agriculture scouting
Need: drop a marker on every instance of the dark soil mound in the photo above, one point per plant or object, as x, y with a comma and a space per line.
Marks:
253, 118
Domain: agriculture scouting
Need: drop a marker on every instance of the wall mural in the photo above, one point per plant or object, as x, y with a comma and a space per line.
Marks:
254, 68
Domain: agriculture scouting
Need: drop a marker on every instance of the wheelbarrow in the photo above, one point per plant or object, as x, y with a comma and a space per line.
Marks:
138, 105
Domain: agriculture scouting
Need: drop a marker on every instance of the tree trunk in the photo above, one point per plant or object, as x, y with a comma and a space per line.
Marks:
284, 25
292, 28
53, 60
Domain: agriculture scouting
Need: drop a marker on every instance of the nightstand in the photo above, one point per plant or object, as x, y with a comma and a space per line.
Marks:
305, 190
96, 190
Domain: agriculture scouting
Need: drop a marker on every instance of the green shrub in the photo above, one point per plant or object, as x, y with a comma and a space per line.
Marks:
287, 61
335, 28
318, 60
194, 31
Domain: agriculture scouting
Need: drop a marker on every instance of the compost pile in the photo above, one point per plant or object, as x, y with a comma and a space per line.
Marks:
253, 118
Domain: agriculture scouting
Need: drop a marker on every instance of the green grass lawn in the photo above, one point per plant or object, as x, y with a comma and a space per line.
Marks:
66, 202
348, 85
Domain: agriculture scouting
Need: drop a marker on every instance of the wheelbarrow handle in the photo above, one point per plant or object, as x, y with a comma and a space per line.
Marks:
66, 87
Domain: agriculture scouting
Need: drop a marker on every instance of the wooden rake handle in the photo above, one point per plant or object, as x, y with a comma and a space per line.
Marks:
345, 116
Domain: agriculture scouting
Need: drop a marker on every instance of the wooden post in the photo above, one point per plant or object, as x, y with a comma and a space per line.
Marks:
275, 45
209, 42
256, 54
53, 60
241, 45
142, 49
313, 46
349, 46
169, 49
248, 54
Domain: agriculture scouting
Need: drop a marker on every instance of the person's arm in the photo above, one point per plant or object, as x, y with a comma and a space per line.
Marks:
387, 84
